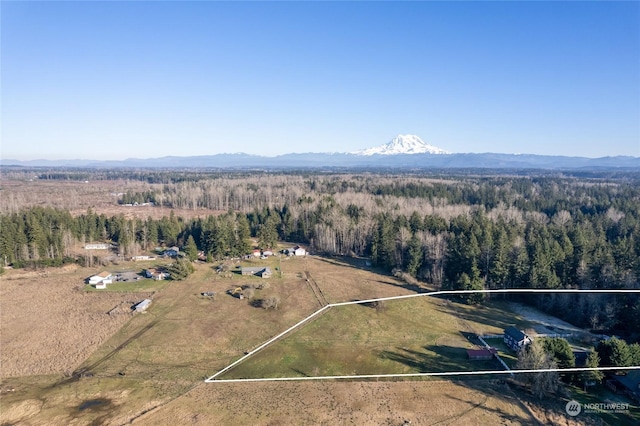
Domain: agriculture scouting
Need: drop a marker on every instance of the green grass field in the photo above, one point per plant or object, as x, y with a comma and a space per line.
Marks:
407, 336
184, 338
141, 285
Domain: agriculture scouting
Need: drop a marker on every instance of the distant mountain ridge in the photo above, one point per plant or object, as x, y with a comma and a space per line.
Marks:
403, 144
342, 161
402, 152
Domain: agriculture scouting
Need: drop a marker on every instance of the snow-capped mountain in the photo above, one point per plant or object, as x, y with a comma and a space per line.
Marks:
403, 144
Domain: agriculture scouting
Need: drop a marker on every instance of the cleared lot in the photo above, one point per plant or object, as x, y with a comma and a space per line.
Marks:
50, 325
151, 371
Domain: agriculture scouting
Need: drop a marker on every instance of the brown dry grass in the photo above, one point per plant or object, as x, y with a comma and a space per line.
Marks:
77, 197
48, 324
184, 338
344, 403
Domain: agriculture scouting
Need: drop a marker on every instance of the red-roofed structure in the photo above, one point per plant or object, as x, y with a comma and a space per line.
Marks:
481, 354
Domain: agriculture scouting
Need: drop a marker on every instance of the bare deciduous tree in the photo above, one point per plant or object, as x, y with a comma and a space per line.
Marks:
272, 302
534, 357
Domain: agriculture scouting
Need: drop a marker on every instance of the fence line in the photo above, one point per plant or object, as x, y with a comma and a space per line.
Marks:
444, 373
406, 296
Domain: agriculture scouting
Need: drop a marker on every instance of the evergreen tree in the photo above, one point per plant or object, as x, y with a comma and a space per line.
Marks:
415, 256
243, 234
383, 245
180, 269
267, 233
191, 249
561, 352
592, 376
614, 352
499, 267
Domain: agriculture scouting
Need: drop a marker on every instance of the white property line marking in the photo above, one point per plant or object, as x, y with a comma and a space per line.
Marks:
406, 296
504, 290
444, 373
248, 354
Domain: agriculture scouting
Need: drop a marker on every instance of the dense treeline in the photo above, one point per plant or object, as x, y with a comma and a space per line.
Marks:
458, 232
131, 197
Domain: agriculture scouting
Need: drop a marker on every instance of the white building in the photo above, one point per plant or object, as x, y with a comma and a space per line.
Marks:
296, 251
103, 277
142, 306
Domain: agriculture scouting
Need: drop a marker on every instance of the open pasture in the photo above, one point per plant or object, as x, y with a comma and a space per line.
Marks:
150, 368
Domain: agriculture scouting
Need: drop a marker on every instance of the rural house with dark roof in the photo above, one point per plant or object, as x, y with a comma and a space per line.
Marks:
515, 339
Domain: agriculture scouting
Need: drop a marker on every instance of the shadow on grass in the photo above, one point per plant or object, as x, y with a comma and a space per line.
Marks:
487, 314
360, 263
437, 358
353, 262
497, 389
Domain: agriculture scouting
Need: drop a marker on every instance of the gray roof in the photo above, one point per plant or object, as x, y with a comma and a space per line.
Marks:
631, 380
514, 333
255, 269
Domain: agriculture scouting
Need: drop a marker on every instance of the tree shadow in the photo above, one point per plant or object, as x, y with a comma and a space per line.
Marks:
361, 263
497, 389
487, 314
471, 338
256, 303
353, 262
440, 358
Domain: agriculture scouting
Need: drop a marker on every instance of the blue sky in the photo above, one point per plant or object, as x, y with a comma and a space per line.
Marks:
116, 80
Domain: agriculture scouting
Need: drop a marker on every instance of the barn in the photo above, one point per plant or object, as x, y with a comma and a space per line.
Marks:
481, 354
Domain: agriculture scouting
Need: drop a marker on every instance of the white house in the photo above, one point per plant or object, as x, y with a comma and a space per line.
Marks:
97, 246
156, 274
297, 251
103, 277
136, 258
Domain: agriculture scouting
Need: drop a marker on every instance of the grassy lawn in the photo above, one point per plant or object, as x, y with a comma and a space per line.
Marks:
183, 338
408, 336
141, 285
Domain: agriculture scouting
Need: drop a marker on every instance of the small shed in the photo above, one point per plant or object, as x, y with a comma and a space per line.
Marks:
142, 306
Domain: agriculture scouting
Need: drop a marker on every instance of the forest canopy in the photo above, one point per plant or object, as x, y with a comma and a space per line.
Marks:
453, 230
